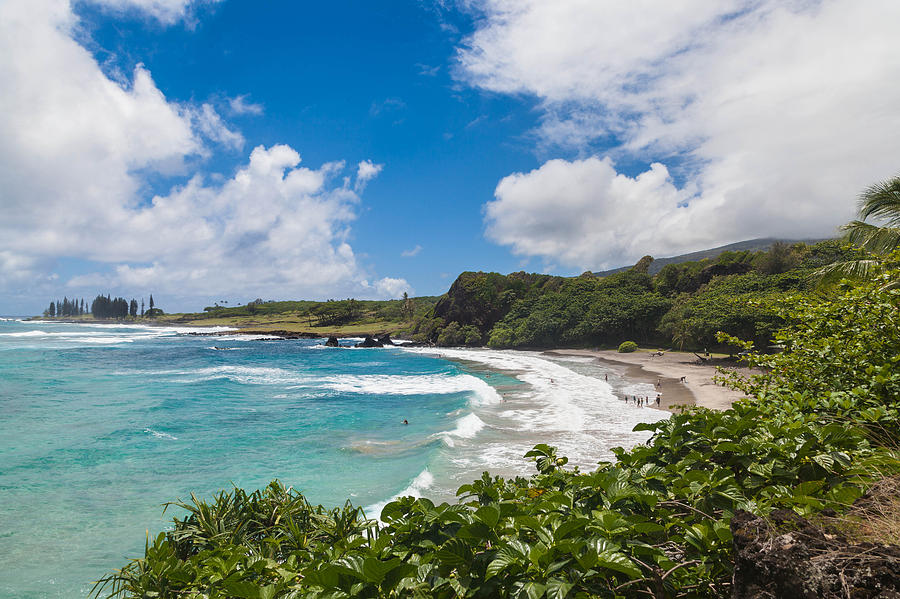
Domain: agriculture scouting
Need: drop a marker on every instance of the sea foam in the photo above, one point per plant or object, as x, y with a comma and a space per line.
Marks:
419, 485
466, 428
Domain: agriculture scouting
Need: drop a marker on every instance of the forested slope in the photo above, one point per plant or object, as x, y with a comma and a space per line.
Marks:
682, 306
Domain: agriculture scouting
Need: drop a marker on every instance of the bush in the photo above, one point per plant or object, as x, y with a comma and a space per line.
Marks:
627, 347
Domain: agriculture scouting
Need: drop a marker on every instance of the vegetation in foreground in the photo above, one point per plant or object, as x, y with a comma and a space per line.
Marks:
816, 430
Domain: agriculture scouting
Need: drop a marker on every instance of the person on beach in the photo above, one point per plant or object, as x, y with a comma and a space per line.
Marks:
606, 377
658, 399
658, 383
683, 380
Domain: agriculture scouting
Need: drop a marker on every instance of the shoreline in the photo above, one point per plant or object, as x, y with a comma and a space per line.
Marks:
698, 389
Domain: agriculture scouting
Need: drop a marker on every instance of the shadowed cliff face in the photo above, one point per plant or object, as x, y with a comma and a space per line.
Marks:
790, 557
482, 299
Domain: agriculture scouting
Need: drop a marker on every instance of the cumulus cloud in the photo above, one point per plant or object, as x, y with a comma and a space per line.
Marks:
275, 226
584, 213
70, 138
76, 151
773, 115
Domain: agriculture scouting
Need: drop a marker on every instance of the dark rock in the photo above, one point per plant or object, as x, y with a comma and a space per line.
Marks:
332, 342
788, 556
386, 339
416, 344
280, 334
370, 341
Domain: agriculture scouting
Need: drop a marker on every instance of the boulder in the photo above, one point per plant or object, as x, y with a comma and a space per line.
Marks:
370, 341
332, 342
385, 339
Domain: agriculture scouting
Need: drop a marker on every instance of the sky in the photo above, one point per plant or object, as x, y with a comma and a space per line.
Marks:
226, 150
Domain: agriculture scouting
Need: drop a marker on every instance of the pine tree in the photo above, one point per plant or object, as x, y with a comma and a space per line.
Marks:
151, 301
51, 311
142, 307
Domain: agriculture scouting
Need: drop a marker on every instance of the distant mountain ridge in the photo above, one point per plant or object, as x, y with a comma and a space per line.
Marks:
751, 245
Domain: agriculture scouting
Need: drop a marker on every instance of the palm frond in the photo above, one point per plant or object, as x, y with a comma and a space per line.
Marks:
855, 270
875, 239
882, 201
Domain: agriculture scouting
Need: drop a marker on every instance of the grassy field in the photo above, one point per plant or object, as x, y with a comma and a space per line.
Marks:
342, 318
286, 322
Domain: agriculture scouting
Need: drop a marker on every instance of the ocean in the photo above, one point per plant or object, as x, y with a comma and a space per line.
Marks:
101, 424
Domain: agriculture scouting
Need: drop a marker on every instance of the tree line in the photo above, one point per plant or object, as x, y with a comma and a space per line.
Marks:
103, 306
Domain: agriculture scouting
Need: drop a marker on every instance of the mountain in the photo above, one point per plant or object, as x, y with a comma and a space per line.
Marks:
752, 245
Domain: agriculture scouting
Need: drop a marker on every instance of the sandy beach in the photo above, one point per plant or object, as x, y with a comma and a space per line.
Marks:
698, 389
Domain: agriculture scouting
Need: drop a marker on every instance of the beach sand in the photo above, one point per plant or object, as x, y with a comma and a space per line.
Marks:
644, 366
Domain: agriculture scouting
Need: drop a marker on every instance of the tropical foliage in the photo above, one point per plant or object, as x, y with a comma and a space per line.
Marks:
880, 202
684, 305
814, 432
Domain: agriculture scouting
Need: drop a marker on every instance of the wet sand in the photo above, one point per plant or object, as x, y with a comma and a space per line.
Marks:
643, 366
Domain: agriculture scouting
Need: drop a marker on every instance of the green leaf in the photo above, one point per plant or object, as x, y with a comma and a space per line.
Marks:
558, 589
374, 570
489, 515
618, 562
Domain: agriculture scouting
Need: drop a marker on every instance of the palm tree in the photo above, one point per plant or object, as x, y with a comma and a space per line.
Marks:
881, 202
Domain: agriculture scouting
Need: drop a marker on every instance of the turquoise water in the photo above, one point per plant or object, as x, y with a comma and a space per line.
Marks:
102, 424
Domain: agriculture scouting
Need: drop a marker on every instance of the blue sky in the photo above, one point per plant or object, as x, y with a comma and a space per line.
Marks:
231, 150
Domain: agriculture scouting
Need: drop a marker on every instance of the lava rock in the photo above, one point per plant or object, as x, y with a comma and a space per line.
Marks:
370, 341
787, 556
332, 342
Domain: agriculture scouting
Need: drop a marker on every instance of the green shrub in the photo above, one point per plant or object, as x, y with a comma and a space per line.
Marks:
627, 347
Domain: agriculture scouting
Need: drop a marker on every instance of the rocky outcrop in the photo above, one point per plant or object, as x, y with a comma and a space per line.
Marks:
789, 557
332, 342
370, 341
386, 339
481, 299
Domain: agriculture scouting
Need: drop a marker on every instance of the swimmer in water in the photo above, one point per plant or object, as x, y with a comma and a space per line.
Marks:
405, 421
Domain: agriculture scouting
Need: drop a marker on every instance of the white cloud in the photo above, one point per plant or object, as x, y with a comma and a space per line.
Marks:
76, 149
411, 252
775, 114
166, 12
70, 138
275, 228
584, 213
208, 122
390, 288
240, 105
365, 172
